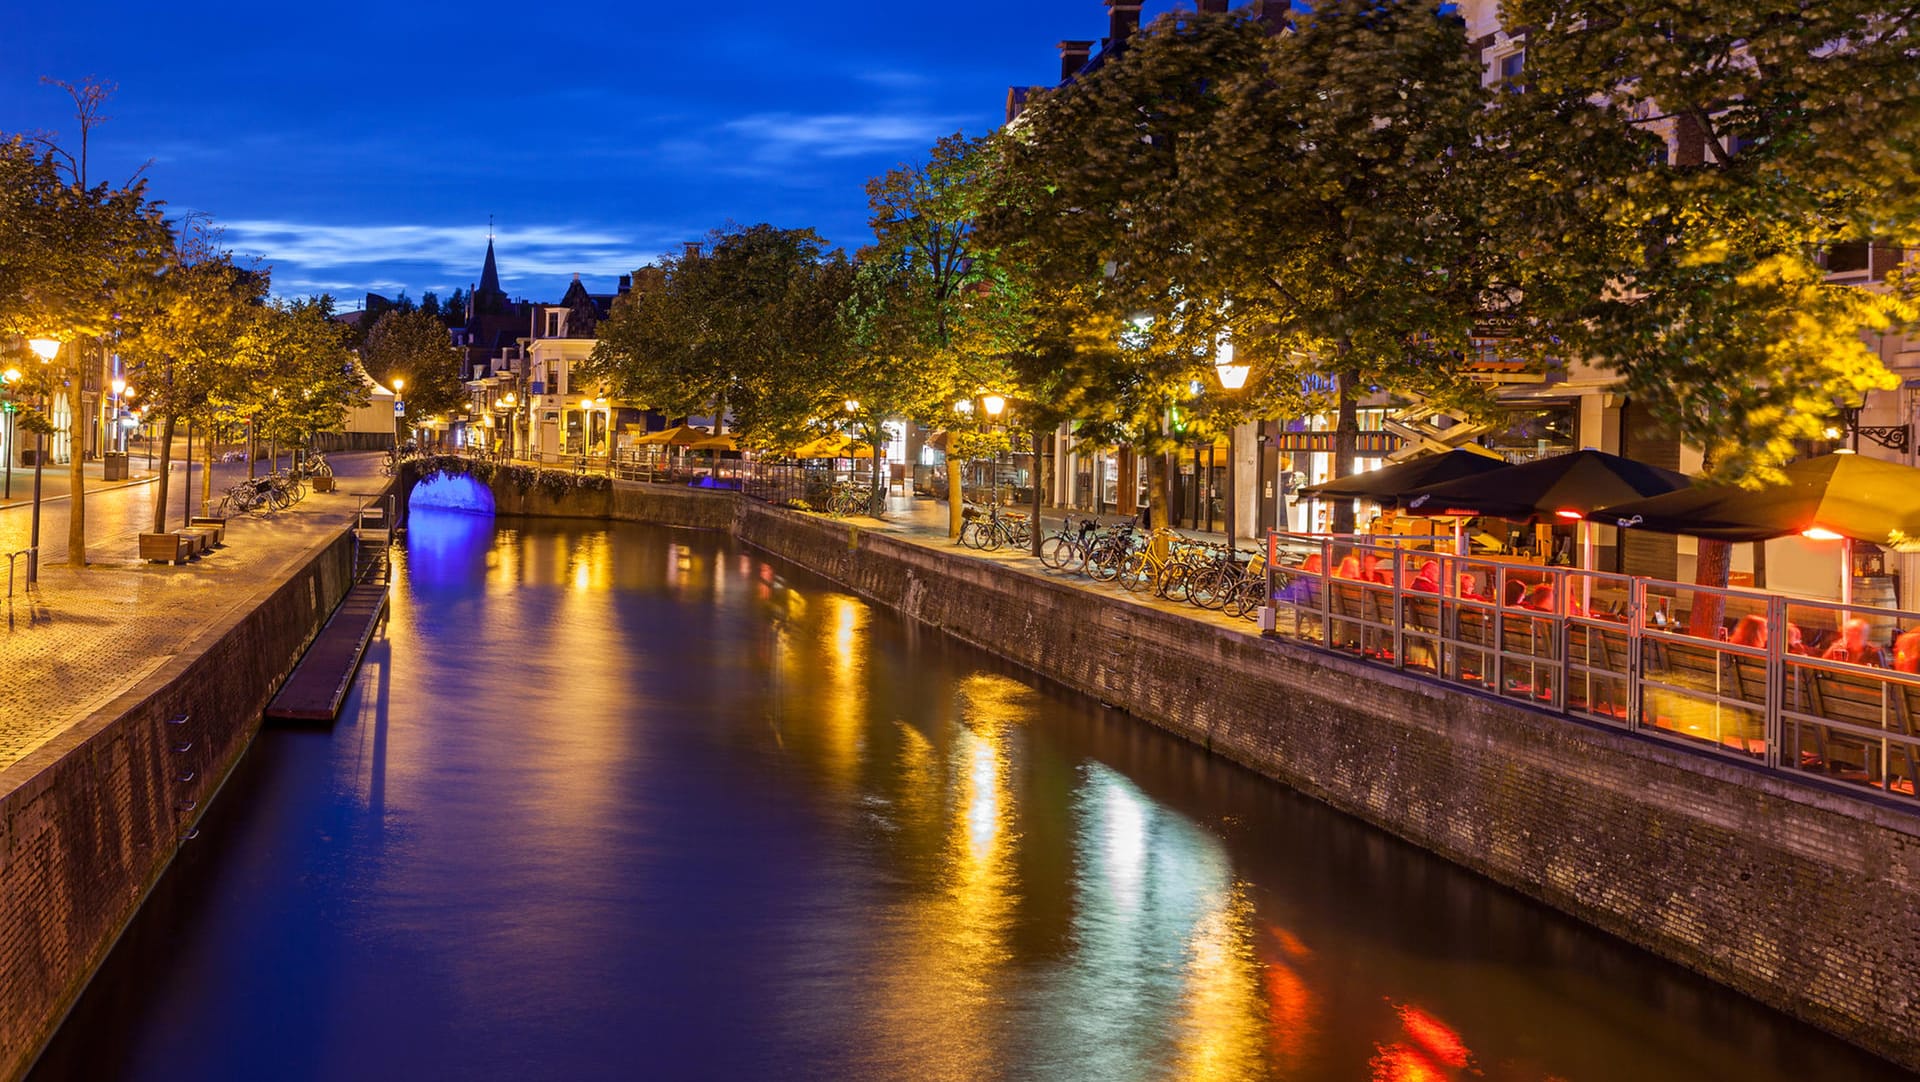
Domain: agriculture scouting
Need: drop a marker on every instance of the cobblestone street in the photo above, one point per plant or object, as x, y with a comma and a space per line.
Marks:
83, 636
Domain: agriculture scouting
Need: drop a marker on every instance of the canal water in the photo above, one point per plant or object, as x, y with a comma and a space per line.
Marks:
632, 803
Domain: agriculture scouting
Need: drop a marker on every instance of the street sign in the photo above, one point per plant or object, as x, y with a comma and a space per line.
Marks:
399, 409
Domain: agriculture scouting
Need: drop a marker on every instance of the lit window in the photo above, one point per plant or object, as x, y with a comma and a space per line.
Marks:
1512, 64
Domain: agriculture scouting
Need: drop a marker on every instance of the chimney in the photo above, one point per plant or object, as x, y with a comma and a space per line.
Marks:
693, 249
1213, 7
576, 276
626, 283
1123, 18
1073, 57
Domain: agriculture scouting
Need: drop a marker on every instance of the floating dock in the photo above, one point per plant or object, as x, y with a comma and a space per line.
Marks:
320, 682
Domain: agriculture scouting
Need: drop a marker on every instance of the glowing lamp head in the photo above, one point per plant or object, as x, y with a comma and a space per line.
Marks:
1569, 514
508, 398
132, 393
994, 404
12, 375
1232, 376
1819, 533
119, 386
853, 405
1831, 433
45, 348
399, 385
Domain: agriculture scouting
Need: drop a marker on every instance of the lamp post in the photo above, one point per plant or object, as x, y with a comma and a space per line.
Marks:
113, 437
993, 404
509, 401
12, 377
1232, 377
399, 411
46, 349
956, 488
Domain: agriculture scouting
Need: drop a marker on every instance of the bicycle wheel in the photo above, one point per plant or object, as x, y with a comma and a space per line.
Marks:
1209, 589
1173, 582
970, 534
1135, 573
1103, 564
1055, 551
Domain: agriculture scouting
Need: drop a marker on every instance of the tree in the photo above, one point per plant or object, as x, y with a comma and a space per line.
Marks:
1095, 206
912, 350
1366, 266
748, 329
303, 377
1715, 312
1731, 144
454, 311
414, 346
183, 329
103, 241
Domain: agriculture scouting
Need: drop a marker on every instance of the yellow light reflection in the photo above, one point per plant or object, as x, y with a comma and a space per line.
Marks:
1220, 1031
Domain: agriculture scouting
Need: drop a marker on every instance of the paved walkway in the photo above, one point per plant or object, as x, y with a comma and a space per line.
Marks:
84, 636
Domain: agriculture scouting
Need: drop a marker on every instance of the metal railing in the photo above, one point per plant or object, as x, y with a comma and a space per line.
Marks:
1802, 687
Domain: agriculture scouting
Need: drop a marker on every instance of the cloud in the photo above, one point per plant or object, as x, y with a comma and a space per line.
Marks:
309, 255
786, 136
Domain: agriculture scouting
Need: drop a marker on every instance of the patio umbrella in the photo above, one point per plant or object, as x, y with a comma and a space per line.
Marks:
677, 436
1834, 497
1563, 486
1388, 484
722, 442
1568, 486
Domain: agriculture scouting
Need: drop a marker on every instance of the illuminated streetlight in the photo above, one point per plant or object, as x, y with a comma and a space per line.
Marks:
994, 404
853, 405
47, 348
1232, 376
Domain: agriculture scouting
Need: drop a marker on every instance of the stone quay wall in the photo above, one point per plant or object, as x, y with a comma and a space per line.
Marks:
1803, 898
90, 821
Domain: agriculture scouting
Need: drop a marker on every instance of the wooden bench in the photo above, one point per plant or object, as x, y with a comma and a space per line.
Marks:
167, 548
212, 520
1729, 682
1890, 705
214, 534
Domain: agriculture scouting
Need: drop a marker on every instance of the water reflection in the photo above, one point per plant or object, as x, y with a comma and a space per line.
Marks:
618, 802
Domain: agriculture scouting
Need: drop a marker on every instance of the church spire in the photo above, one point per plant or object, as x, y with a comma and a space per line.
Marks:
489, 297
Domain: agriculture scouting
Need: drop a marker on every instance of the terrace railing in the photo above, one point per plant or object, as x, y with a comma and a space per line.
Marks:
1619, 650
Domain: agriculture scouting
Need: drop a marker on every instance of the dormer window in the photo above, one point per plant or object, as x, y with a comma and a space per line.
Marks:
556, 323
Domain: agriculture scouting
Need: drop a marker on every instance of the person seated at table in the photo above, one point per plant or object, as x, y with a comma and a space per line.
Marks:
1373, 570
1516, 593
1427, 581
1349, 568
1539, 599
1311, 565
1796, 643
1854, 646
1906, 651
1750, 631
1470, 589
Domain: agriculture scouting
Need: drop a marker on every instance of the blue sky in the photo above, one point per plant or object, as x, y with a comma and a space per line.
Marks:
359, 147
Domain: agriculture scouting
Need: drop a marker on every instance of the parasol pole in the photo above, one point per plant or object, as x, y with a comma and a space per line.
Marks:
1586, 564
1846, 575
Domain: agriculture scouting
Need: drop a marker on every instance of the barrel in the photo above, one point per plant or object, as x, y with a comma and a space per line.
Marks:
1877, 592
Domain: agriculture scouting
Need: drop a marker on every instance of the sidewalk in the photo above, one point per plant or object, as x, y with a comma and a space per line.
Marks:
84, 636
54, 482
924, 522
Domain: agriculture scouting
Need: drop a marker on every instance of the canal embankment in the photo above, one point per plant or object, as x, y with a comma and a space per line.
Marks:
1803, 898
94, 807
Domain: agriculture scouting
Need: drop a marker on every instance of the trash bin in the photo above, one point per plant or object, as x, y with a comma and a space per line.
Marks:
115, 465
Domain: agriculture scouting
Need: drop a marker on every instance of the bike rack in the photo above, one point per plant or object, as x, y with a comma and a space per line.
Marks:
32, 554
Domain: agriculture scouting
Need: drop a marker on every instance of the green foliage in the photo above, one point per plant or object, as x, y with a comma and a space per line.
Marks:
1794, 127
414, 346
750, 327
300, 376
554, 483
184, 328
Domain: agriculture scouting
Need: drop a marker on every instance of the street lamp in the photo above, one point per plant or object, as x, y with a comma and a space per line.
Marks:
119, 387
11, 377
993, 404
399, 411
1232, 376
46, 349
510, 401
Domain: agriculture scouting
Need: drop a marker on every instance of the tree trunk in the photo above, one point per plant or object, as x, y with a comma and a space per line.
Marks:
160, 491
876, 500
956, 493
1346, 428
206, 477
1036, 532
253, 449
186, 484
1712, 567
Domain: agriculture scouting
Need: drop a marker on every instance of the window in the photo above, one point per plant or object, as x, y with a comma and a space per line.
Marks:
1512, 64
553, 324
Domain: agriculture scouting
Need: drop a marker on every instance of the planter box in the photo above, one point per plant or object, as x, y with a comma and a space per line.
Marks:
323, 483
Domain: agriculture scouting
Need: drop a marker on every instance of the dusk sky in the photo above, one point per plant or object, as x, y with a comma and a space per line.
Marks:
357, 147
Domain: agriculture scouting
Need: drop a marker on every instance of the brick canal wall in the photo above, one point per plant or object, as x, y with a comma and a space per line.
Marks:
1802, 898
89, 821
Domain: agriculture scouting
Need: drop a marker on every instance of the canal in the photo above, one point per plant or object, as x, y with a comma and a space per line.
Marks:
625, 802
